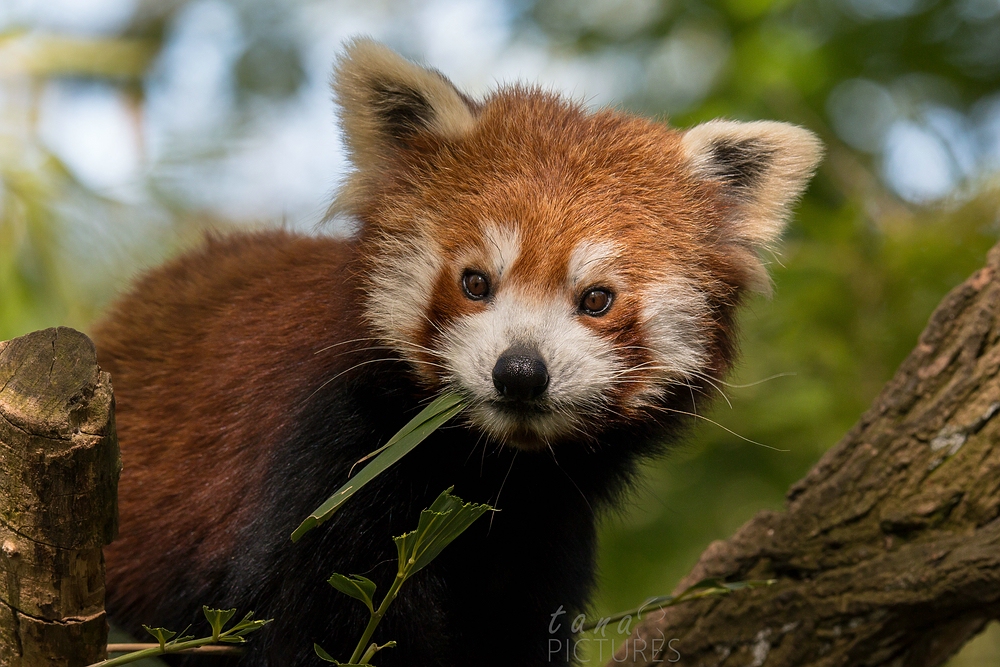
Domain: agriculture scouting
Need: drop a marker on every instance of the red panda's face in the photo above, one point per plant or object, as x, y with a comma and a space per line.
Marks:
558, 338
564, 271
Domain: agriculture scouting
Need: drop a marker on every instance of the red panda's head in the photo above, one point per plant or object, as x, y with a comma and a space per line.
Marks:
564, 270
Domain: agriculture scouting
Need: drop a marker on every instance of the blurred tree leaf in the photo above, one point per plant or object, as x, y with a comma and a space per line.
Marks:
30, 54
269, 67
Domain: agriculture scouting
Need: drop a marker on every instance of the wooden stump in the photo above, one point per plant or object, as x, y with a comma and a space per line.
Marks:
59, 467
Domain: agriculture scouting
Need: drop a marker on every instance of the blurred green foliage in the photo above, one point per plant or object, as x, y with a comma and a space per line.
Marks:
859, 273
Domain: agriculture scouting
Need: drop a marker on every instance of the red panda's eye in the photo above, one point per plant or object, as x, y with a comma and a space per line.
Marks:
596, 301
476, 285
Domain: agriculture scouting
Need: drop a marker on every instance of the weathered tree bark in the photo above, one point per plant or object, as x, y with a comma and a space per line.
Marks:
889, 550
59, 466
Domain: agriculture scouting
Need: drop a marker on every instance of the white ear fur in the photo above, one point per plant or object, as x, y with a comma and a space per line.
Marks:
762, 167
385, 99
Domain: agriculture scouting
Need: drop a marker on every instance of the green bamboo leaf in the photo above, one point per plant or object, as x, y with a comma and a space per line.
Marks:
162, 635
323, 655
247, 625
430, 418
356, 586
217, 618
439, 525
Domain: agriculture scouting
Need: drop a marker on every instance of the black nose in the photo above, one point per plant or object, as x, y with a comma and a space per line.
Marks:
520, 374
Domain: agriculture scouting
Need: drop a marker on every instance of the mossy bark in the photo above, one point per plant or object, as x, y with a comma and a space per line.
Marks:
59, 466
889, 550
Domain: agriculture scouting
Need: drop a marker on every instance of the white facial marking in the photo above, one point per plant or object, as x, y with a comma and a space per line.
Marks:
672, 319
580, 364
403, 282
592, 262
503, 245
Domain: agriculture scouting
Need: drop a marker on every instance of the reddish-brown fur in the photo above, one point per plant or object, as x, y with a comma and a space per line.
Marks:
206, 400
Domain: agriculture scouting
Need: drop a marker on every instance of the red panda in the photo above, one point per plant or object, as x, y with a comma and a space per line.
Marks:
573, 274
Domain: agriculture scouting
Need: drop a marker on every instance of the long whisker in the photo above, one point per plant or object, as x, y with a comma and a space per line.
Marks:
571, 481
754, 384
344, 342
434, 324
496, 504
649, 366
364, 363
390, 348
417, 346
397, 341
694, 404
472, 451
722, 382
727, 430
644, 366
710, 381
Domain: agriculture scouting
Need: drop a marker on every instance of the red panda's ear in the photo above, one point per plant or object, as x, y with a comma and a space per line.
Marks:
385, 100
760, 169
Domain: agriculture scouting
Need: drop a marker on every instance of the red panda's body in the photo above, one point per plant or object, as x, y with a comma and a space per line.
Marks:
574, 275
